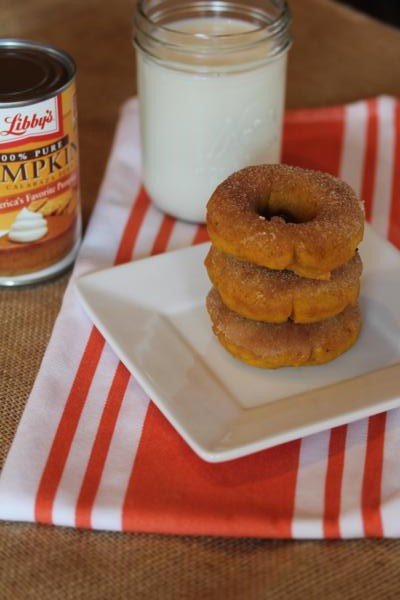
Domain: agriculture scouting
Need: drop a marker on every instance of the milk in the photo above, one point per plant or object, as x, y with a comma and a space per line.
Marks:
199, 127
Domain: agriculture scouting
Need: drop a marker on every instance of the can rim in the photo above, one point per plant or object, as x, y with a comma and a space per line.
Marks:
56, 53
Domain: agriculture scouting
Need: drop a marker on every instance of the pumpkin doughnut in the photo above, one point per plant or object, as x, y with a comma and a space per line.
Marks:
269, 345
275, 296
284, 217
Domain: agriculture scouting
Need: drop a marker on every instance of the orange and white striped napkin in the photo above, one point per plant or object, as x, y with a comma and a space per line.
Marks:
92, 450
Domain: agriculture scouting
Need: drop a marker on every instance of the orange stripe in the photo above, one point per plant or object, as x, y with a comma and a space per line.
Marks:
201, 235
313, 139
394, 225
372, 480
67, 427
132, 227
105, 432
370, 157
68, 424
171, 490
98, 455
318, 144
161, 241
333, 484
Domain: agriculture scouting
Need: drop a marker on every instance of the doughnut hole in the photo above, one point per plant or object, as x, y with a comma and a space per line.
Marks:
291, 206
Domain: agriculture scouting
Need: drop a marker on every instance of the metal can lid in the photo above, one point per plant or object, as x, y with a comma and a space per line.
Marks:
31, 71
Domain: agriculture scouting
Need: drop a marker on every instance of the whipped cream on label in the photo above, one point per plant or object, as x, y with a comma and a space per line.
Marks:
28, 227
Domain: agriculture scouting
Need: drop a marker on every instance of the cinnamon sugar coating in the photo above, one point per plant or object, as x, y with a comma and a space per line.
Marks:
272, 346
327, 219
262, 294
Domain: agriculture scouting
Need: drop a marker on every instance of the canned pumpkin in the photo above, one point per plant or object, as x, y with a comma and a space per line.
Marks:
39, 162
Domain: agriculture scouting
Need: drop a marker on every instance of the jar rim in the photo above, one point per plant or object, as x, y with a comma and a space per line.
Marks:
152, 17
217, 6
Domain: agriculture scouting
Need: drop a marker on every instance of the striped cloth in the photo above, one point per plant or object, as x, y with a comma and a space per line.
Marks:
92, 451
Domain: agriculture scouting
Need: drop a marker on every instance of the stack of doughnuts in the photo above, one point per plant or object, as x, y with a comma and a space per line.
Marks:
284, 266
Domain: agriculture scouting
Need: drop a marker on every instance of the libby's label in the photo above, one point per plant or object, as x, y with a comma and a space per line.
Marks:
39, 183
24, 123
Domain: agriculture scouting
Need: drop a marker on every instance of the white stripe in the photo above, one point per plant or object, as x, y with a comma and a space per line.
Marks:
310, 487
354, 139
390, 510
107, 510
352, 171
147, 234
350, 521
18, 483
181, 236
382, 195
71, 481
118, 191
72, 477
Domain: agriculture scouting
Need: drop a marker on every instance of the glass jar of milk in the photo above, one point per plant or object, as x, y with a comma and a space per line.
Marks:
211, 79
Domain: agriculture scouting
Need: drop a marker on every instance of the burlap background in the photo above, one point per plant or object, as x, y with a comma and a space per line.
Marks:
339, 56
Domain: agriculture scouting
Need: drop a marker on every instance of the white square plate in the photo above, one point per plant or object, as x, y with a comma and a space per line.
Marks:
152, 313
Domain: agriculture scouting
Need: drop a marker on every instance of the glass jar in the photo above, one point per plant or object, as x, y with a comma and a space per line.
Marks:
211, 81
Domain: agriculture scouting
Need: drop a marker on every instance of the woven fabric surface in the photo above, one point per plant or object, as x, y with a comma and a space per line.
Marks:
50, 563
27, 319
